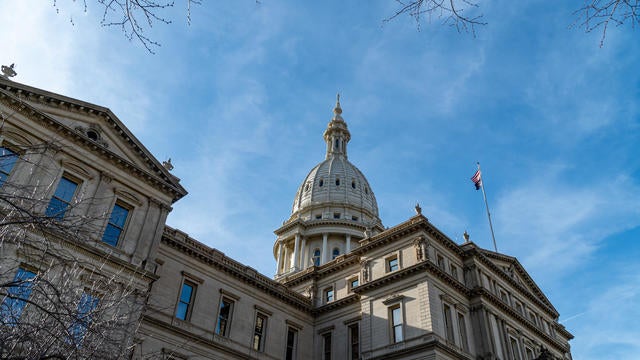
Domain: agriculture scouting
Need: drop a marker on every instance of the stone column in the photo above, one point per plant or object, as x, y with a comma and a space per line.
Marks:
303, 261
325, 250
296, 252
348, 250
279, 257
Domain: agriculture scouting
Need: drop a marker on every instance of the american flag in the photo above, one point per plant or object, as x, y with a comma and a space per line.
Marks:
477, 179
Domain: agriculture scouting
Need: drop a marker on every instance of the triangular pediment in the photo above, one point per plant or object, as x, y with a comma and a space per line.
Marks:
511, 267
92, 126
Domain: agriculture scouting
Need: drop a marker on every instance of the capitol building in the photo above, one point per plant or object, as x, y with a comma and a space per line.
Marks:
345, 286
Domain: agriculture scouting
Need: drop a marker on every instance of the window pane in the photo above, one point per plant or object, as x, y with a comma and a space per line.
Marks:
181, 312
397, 333
119, 215
397, 319
66, 189
56, 208
13, 305
111, 235
185, 295
7, 160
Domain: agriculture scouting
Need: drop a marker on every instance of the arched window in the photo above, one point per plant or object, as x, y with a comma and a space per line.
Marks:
321, 183
335, 253
316, 257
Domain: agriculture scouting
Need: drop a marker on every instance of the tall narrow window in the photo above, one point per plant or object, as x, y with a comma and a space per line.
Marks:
259, 332
316, 257
448, 322
515, 349
185, 302
292, 344
326, 350
61, 198
396, 323
454, 271
84, 314
529, 353
354, 342
335, 253
16, 299
224, 317
115, 227
463, 332
7, 160
440, 261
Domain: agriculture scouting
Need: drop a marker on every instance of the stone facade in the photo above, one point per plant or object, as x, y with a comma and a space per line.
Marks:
346, 287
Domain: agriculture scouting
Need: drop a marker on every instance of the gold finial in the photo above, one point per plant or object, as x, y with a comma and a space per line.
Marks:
337, 109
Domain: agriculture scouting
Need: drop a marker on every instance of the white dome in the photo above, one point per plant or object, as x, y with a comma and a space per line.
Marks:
336, 183
336, 189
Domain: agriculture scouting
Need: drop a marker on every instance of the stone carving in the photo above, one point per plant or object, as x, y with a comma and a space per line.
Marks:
8, 71
364, 264
167, 164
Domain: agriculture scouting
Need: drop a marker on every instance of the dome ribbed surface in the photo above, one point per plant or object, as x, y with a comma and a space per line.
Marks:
321, 186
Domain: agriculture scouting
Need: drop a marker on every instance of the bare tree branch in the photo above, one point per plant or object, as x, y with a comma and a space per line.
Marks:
599, 14
452, 13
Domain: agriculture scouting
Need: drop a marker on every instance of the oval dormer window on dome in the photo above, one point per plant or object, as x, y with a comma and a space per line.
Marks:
353, 183
306, 187
321, 183
337, 181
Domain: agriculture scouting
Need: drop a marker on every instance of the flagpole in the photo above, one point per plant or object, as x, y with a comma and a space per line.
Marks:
486, 204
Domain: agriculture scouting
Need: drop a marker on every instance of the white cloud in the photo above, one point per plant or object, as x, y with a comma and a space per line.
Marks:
552, 226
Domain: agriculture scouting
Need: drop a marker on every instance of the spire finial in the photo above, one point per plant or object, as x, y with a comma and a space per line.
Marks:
337, 110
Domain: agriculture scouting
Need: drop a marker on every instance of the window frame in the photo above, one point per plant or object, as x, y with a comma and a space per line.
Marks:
12, 159
124, 206
449, 332
12, 308
335, 252
393, 326
190, 304
462, 330
57, 214
329, 294
262, 334
291, 350
219, 330
350, 340
84, 317
388, 263
327, 345
351, 280
315, 259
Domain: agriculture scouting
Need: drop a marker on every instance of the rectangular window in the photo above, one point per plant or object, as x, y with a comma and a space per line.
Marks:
463, 332
533, 318
396, 323
326, 350
503, 296
392, 264
84, 314
515, 350
353, 283
115, 227
259, 332
224, 317
7, 160
440, 261
61, 199
17, 295
292, 344
519, 307
454, 271
328, 295
448, 322
354, 342
185, 302
529, 353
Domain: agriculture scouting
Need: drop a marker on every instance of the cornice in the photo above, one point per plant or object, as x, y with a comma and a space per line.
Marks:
217, 259
316, 272
484, 294
546, 306
336, 304
432, 268
161, 177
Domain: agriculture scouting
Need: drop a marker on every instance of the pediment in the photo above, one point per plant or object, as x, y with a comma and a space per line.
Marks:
511, 268
90, 126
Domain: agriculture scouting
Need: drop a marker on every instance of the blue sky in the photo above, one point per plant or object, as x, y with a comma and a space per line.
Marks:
239, 100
